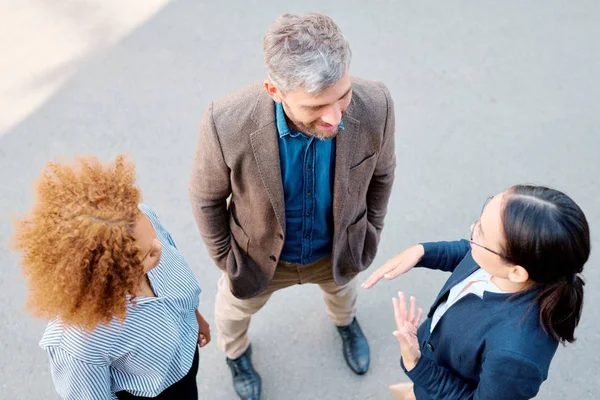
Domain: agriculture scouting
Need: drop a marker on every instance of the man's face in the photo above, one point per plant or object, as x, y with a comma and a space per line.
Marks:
316, 115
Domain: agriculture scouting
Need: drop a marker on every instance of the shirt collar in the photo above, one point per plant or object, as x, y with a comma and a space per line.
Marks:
481, 282
140, 301
282, 127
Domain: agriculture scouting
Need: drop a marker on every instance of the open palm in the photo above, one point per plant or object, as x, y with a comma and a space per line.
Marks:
407, 322
396, 266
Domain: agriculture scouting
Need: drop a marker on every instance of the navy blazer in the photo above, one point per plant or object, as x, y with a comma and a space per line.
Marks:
490, 348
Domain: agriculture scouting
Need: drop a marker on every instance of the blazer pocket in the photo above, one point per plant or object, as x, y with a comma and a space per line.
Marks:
239, 235
356, 238
364, 161
238, 255
360, 174
362, 241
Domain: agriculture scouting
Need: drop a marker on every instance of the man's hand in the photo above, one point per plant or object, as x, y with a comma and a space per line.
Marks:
396, 266
407, 323
203, 330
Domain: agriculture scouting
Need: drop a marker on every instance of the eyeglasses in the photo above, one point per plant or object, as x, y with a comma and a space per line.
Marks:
478, 222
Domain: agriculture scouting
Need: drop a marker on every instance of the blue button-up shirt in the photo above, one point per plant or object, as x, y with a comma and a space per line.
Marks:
307, 171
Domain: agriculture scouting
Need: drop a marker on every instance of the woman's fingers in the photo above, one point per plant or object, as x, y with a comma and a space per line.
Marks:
381, 272
202, 342
418, 320
395, 272
396, 266
402, 306
402, 315
399, 322
413, 309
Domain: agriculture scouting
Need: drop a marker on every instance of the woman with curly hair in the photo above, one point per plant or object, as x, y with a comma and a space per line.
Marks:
121, 300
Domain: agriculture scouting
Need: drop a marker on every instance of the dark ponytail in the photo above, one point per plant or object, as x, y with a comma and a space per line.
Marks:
560, 308
548, 235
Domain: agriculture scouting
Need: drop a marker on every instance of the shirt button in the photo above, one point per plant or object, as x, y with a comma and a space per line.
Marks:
308, 214
308, 193
309, 167
273, 258
306, 236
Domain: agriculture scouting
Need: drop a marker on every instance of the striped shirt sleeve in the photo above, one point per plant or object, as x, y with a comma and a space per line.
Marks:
76, 380
149, 211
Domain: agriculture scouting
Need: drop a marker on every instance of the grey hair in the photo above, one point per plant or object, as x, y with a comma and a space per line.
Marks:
308, 52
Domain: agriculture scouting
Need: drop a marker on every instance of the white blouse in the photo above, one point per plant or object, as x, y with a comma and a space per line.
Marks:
476, 283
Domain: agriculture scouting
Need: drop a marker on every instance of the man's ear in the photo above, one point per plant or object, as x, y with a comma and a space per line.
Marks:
273, 91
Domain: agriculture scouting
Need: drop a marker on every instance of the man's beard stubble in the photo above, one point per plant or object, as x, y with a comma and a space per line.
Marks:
311, 129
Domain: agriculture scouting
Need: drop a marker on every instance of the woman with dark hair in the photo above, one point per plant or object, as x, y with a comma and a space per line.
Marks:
515, 293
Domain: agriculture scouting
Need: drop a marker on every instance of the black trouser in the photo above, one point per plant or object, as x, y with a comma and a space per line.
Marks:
184, 389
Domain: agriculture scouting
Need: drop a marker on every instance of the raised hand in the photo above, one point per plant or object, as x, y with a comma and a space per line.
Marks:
407, 323
396, 266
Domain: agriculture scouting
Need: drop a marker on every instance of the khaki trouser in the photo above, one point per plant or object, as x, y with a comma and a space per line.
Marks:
232, 315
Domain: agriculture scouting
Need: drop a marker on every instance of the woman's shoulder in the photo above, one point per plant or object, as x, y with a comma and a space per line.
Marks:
163, 234
150, 213
518, 330
92, 346
53, 334
173, 268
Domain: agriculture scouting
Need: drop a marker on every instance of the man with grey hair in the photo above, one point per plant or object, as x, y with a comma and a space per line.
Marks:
290, 185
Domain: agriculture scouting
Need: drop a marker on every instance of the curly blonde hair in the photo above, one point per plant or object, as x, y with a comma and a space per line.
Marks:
78, 252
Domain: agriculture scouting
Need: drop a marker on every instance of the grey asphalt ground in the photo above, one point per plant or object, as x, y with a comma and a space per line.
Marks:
487, 94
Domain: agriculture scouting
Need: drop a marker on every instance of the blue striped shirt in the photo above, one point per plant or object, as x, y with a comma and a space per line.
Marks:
150, 351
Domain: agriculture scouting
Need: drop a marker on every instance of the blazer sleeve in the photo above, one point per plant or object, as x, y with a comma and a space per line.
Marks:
504, 375
380, 187
444, 256
209, 188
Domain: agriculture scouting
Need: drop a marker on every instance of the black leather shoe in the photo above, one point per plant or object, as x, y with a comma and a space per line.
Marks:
356, 348
246, 381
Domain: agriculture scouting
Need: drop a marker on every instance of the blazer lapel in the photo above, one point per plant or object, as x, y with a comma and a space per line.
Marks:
462, 272
345, 143
265, 146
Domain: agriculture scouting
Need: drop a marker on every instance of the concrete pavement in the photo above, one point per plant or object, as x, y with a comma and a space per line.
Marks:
487, 94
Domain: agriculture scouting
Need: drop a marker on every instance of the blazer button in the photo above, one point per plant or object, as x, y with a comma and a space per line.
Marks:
273, 258
429, 346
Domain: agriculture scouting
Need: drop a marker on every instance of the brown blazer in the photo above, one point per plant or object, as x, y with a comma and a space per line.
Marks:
238, 156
